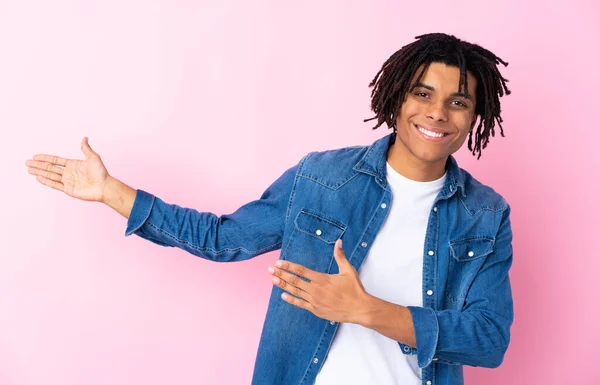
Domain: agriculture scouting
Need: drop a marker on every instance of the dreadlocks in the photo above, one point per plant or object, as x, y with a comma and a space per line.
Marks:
396, 73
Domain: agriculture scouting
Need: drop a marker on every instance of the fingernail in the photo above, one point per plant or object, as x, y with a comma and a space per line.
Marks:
271, 270
278, 263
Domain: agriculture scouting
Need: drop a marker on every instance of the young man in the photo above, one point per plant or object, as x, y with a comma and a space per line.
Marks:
421, 286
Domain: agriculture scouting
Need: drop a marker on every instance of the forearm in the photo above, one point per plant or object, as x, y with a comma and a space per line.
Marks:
119, 196
253, 229
391, 320
484, 336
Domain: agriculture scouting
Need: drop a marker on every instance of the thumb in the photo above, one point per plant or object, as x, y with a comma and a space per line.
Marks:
340, 256
85, 147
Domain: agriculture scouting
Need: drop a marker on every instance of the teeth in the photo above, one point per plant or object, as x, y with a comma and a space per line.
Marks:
430, 133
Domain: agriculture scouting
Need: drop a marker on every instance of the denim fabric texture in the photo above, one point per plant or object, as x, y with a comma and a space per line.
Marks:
343, 193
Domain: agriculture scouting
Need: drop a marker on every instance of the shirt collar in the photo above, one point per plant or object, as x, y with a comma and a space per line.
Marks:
374, 163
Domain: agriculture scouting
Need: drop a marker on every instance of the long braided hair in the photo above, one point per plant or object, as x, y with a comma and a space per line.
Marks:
393, 81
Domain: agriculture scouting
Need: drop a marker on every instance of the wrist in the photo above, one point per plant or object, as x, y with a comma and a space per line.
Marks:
367, 311
109, 190
118, 196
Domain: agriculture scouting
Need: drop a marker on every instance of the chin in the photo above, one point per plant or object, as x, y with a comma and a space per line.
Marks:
429, 157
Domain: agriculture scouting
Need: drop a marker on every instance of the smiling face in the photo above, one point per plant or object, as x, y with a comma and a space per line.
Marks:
433, 122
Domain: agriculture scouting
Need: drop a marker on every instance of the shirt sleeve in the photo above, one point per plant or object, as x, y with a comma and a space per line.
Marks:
479, 334
253, 229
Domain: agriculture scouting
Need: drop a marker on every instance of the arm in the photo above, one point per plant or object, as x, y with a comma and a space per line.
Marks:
118, 196
391, 320
476, 336
255, 228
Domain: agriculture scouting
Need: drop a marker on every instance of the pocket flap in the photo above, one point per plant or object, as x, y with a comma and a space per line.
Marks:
316, 225
469, 249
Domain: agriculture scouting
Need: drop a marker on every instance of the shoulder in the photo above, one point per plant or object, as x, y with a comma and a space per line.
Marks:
332, 168
351, 154
479, 196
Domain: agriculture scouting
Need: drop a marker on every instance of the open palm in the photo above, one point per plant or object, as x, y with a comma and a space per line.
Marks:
81, 179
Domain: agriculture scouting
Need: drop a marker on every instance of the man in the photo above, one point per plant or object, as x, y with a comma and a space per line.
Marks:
424, 286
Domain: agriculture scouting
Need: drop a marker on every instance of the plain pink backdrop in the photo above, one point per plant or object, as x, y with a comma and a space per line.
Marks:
204, 104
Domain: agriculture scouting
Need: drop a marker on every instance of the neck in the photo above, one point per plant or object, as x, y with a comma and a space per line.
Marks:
409, 166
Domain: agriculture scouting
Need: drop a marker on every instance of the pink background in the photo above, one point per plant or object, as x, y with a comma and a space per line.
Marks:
204, 104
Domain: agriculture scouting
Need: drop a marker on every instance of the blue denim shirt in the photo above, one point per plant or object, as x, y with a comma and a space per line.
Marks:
467, 302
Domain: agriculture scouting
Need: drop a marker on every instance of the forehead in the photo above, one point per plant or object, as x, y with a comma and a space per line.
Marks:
444, 78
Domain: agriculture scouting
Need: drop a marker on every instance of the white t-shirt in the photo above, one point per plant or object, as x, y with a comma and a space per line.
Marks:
393, 271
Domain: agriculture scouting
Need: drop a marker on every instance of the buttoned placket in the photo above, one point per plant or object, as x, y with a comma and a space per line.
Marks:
369, 236
430, 269
429, 274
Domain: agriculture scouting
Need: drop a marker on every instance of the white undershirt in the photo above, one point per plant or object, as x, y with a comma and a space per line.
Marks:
393, 271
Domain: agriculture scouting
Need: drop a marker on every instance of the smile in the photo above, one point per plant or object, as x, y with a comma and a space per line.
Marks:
430, 134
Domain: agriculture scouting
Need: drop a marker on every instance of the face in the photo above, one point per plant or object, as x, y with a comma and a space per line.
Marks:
434, 119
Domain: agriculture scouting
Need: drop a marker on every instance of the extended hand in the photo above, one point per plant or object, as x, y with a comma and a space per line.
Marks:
335, 297
82, 179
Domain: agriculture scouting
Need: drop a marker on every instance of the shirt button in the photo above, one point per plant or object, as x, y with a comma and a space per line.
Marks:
383, 205
428, 382
318, 232
331, 322
435, 209
430, 252
429, 292
316, 360
471, 253
364, 244
407, 349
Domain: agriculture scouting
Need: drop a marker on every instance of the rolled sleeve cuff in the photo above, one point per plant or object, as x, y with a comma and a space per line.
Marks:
426, 332
140, 212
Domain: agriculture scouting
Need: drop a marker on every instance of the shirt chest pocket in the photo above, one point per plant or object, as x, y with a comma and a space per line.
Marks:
467, 257
313, 239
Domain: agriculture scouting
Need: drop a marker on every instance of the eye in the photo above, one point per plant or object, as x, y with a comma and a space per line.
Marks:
421, 94
459, 103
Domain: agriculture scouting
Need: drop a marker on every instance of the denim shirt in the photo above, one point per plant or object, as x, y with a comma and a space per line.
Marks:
343, 193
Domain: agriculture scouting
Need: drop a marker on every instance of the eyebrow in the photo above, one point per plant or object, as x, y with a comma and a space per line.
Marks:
430, 88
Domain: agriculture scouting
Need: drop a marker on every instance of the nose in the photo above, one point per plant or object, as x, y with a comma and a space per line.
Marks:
437, 112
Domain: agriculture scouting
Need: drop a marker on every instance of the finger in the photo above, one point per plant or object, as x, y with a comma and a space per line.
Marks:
291, 283
34, 164
45, 174
85, 147
296, 301
291, 289
340, 256
50, 183
51, 159
299, 270
338, 251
